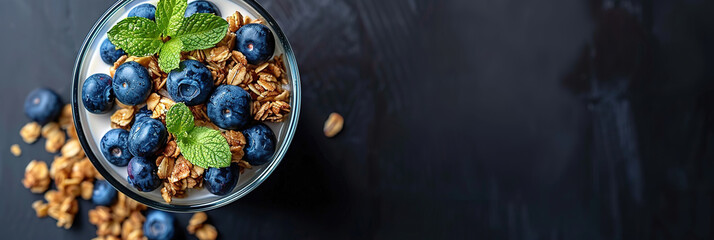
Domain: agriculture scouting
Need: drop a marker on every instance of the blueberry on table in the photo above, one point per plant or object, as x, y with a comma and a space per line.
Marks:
260, 144
141, 114
145, 10
191, 83
141, 174
220, 181
159, 225
256, 42
103, 194
109, 52
115, 147
132, 84
97, 93
42, 105
147, 137
201, 6
229, 107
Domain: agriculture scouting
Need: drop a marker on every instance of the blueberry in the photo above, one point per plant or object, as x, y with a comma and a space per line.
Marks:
145, 10
221, 181
260, 144
115, 147
42, 105
141, 173
191, 83
159, 225
229, 107
256, 42
141, 114
147, 137
109, 52
97, 93
132, 84
103, 194
201, 6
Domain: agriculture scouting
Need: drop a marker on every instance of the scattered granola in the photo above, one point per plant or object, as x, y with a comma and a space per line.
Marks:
333, 125
55, 141
37, 178
15, 150
122, 220
122, 118
198, 226
30, 132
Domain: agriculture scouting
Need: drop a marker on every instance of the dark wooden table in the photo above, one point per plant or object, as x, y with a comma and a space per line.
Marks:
515, 119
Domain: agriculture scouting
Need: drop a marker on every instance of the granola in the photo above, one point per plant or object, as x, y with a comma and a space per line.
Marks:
30, 132
197, 225
15, 150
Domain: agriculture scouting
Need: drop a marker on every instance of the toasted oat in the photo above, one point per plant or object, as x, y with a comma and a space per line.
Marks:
37, 177
55, 141
118, 62
72, 149
152, 101
30, 132
159, 110
235, 21
181, 170
219, 54
49, 128
40, 208
196, 222
65, 118
333, 125
122, 118
87, 190
165, 167
15, 150
207, 232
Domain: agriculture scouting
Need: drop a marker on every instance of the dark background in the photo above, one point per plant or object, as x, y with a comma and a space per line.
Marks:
507, 119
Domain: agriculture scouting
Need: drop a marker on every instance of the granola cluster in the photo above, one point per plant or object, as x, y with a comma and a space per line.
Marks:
72, 173
265, 83
197, 225
122, 220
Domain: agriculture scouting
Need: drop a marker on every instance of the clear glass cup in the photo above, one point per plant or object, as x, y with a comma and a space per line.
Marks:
91, 127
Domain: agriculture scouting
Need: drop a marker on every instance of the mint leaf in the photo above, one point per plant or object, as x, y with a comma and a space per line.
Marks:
201, 31
205, 148
136, 35
170, 55
169, 15
179, 119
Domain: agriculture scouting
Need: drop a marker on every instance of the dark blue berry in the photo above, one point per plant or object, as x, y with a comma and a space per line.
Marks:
159, 225
142, 114
221, 181
147, 137
132, 84
256, 42
103, 194
115, 147
201, 6
141, 173
260, 144
229, 107
145, 10
42, 105
191, 83
109, 52
97, 93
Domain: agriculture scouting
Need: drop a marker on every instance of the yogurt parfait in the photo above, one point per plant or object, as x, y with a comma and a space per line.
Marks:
185, 105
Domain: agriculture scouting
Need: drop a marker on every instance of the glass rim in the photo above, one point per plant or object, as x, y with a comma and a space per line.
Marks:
224, 200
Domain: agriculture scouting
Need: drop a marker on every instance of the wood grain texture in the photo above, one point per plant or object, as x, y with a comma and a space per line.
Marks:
513, 119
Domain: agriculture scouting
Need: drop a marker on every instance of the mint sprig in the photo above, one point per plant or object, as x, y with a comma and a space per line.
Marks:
170, 34
202, 146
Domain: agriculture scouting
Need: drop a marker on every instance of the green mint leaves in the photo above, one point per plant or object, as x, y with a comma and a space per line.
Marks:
169, 15
170, 34
201, 31
170, 54
136, 35
204, 147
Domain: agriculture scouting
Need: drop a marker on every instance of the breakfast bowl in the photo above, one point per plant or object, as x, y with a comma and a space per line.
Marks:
92, 126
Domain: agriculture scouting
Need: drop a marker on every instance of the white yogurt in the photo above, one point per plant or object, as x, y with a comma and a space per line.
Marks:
98, 124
